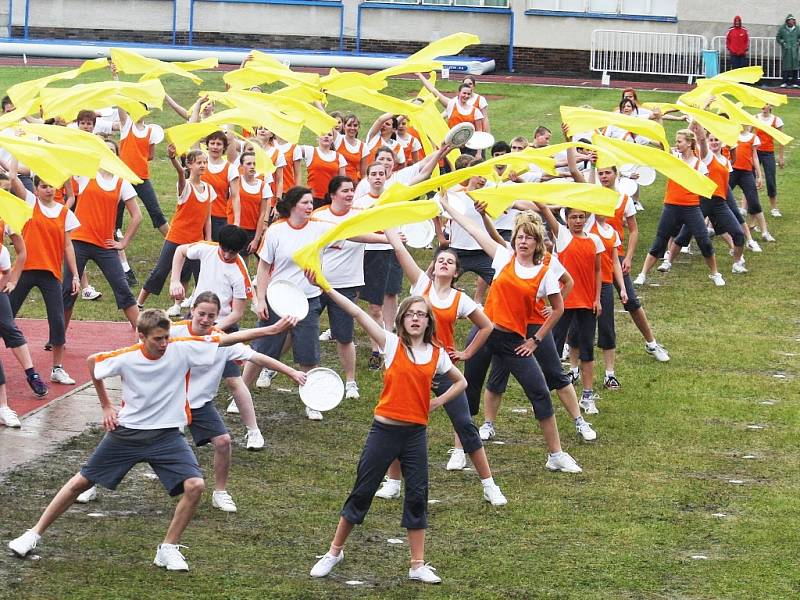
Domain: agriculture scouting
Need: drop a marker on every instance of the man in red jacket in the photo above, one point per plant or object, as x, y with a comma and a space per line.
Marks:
737, 42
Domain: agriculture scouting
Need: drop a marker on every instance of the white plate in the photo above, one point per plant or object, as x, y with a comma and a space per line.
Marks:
628, 170
647, 176
418, 235
287, 300
459, 134
480, 140
323, 390
627, 186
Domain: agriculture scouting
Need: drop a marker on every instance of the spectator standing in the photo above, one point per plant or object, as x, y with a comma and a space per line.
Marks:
737, 41
788, 38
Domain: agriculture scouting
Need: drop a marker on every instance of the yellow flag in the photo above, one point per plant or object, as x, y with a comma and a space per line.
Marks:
738, 114
300, 92
447, 46
26, 91
674, 168
373, 219
746, 94
742, 75
253, 75
68, 102
407, 66
264, 164
54, 163
335, 80
581, 196
134, 63
13, 211
586, 119
723, 129
89, 142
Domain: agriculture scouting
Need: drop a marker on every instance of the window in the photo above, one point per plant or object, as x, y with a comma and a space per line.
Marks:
476, 3
641, 8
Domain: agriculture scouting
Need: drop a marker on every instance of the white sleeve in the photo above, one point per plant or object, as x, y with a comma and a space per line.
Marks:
482, 103
109, 365
756, 140
451, 105
556, 268
342, 161
306, 153
599, 248
266, 191
187, 189
267, 250
280, 160
778, 122
630, 209
5, 259
102, 126
466, 306
239, 352
444, 364
415, 144
502, 257
708, 158
156, 134
126, 192
30, 199
199, 353
549, 285
82, 183
422, 284
241, 284
617, 241
199, 250
71, 222
564, 238
125, 128
390, 348
702, 168
233, 171
478, 114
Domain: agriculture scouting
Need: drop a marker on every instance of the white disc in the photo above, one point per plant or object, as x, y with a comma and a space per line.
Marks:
459, 134
627, 186
287, 300
418, 235
323, 390
480, 140
647, 176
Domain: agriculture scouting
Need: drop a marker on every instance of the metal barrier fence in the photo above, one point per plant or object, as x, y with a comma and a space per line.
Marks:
763, 51
648, 53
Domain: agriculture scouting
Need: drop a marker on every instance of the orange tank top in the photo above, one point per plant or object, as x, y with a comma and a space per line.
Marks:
538, 317
188, 224
608, 256
45, 241
135, 152
718, 173
456, 117
288, 171
414, 133
618, 221
406, 394
250, 205
219, 181
97, 212
512, 299
353, 168
744, 155
578, 260
445, 319
679, 195
60, 195
767, 142
320, 173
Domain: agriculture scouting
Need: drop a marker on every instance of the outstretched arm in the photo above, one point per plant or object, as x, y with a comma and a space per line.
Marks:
481, 236
375, 331
432, 89
407, 262
552, 222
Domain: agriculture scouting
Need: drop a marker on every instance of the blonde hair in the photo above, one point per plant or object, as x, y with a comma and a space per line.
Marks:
690, 137
531, 224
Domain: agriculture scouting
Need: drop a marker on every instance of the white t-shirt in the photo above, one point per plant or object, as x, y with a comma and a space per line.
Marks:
452, 105
329, 156
296, 155
505, 222
259, 186
721, 159
154, 390
480, 100
152, 131
607, 232
233, 168
5, 259
281, 241
565, 237
404, 176
51, 212
359, 147
226, 280
209, 194
549, 284
443, 365
108, 184
466, 305
204, 383
747, 136
769, 119
459, 238
342, 261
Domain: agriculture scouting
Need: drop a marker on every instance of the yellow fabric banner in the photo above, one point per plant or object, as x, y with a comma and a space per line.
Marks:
581, 196
54, 163
589, 119
738, 114
725, 130
25, 91
13, 211
133, 63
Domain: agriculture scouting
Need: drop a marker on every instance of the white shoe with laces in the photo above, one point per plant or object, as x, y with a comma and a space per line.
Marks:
585, 430
254, 440
425, 574
325, 336
326, 563
738, 267
776, 213
767, 237
174, 311
265, 378
59, 375
664, 267
89, 293
458, 460
753, 246
561, 461
222, 500
351, 391
313, 415
486, 431
657, 351
87, 496
8, 417
169, 556
389, 490
493, 495
22, 545
717, 279
640, 279
588, 404
687, 249
232, 408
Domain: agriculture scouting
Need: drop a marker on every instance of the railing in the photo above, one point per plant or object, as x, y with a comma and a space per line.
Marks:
648, 53
763, 51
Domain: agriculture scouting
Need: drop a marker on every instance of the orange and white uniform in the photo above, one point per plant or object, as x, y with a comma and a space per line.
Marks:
406, 394
446, 310
291, 154
250, 199
156, 398
44, 236
377, 142
622, 211
677, 194
228, 281
219, 176
456, 114
410, 145
744, 151
134, 146
60, 195
577, 254
612, 246
767, 141
353, 154
321, 168
719, 170
99, 198
191, 214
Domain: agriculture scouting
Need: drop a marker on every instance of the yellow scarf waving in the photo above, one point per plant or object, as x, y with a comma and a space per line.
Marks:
581, 196
746, 94
738, 114
133, 63
726, 130
54, 163
13, 211
589, 119
25, 91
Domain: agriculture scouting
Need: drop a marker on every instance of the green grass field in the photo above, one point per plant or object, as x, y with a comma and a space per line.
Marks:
655, 491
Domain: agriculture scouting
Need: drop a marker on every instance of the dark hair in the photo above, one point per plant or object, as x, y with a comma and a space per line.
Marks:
218, 135
428, 336
189, 158
209, 297
625, 101
501, 146
246, 154
632, 91
37, 180
232, 238
386, 149
290, 200
442, 250
540, 130
373, 164
464, 85
86, 115
334, 186
6, 100
471, 78
113, 143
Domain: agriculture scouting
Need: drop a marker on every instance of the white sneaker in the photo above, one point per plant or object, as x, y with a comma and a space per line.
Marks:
223, 501
425, 574
254, 440
325, 564
486, 431
664, 266
59, 375
767, 237
493, 495
588, 403
561, 461
389, 490
265, 378
174, 311
640, 279
186, 302
24, 543
232, 408
585, 430
169, 556
776, 213
87, 496
458, 460
717, 279
565, 354
738, 267
686, 249
657, 351
325, 336
313, 415
351, 391
89, 293
8, 417
753, 245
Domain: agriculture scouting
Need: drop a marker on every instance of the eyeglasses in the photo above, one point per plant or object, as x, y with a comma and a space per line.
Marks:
415, 314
